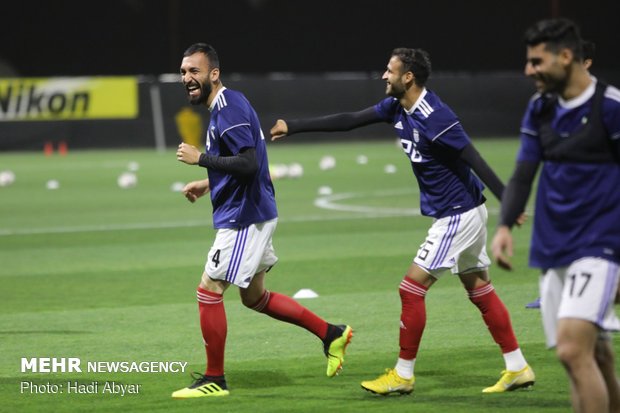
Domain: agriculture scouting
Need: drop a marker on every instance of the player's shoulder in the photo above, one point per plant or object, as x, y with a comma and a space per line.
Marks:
388, 102
387, 107
231, 103
539, 102
612, 94
234, 98
611, 111
536, 97
433, 107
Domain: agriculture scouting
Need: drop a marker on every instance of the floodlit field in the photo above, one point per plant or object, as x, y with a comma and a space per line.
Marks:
100, 273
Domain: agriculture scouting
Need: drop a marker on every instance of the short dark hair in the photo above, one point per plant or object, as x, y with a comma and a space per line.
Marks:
416, 61
207, 50
588, 49
557, 34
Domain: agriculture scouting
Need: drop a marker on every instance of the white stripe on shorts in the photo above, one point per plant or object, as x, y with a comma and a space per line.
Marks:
610, 291
446, 241
237, 254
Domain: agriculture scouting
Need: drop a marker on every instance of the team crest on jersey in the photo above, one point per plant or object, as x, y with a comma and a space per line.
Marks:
399, 125
416, 136
210, 135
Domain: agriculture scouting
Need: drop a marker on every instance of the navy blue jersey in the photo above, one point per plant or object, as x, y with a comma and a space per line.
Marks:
238, 201
578, 203
432, 138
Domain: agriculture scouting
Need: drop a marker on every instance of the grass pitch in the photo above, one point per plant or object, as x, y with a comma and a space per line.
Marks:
100, 273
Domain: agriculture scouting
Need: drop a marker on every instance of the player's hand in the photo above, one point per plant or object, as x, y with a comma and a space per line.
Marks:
522, 219
188, 154
501, 247
196, 189
279, 130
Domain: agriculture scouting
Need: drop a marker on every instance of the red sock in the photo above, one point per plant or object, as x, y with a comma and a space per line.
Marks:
214, 328
284, 308
412, 317
495, 316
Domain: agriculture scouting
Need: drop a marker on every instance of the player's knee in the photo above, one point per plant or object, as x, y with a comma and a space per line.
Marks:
569, 354
249, 302
256, 301
210, 284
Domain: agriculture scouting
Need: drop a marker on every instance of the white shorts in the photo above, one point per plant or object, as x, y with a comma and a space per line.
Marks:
585, 290
457, 243
238, 254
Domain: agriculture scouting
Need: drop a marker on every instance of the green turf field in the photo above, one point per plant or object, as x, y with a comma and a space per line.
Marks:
100, 273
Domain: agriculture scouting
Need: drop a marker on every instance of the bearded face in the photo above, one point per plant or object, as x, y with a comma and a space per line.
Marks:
394, 78
549, 71
195, 75
197, 92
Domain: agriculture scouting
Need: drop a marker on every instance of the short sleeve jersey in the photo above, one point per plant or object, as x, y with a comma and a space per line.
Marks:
238, 201
578, 203
432, 138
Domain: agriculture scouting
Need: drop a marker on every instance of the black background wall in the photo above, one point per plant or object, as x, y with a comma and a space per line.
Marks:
111, 37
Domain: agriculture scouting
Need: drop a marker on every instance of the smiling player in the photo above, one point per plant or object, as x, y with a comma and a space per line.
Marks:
572, 127
245, 216
442, 158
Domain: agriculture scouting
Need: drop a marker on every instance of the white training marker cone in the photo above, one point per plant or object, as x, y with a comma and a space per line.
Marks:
305, 293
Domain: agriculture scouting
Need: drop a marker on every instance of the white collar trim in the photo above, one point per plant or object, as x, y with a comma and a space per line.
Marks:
417, 102
217, 96
581, 99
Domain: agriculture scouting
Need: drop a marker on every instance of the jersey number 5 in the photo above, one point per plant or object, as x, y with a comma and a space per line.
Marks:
423, 253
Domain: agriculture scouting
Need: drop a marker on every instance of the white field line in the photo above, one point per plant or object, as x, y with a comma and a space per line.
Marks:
330, 202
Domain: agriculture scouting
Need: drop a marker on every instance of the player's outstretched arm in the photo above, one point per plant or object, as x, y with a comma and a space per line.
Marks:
279, 130
330, 123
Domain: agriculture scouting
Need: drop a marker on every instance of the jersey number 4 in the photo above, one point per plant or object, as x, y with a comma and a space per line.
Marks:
216, 258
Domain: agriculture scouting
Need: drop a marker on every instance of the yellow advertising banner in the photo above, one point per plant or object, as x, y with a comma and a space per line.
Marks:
68, 98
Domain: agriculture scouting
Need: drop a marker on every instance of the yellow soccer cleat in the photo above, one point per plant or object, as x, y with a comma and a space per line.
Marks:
203, 386
335, 351
512, 380
389, 382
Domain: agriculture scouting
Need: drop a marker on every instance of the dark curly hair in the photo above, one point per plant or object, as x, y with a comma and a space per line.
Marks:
556, 34
416, 61
207, 50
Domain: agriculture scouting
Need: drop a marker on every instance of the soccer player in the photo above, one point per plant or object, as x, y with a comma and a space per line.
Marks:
573, 129
442, 158
588, 49
245, 216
